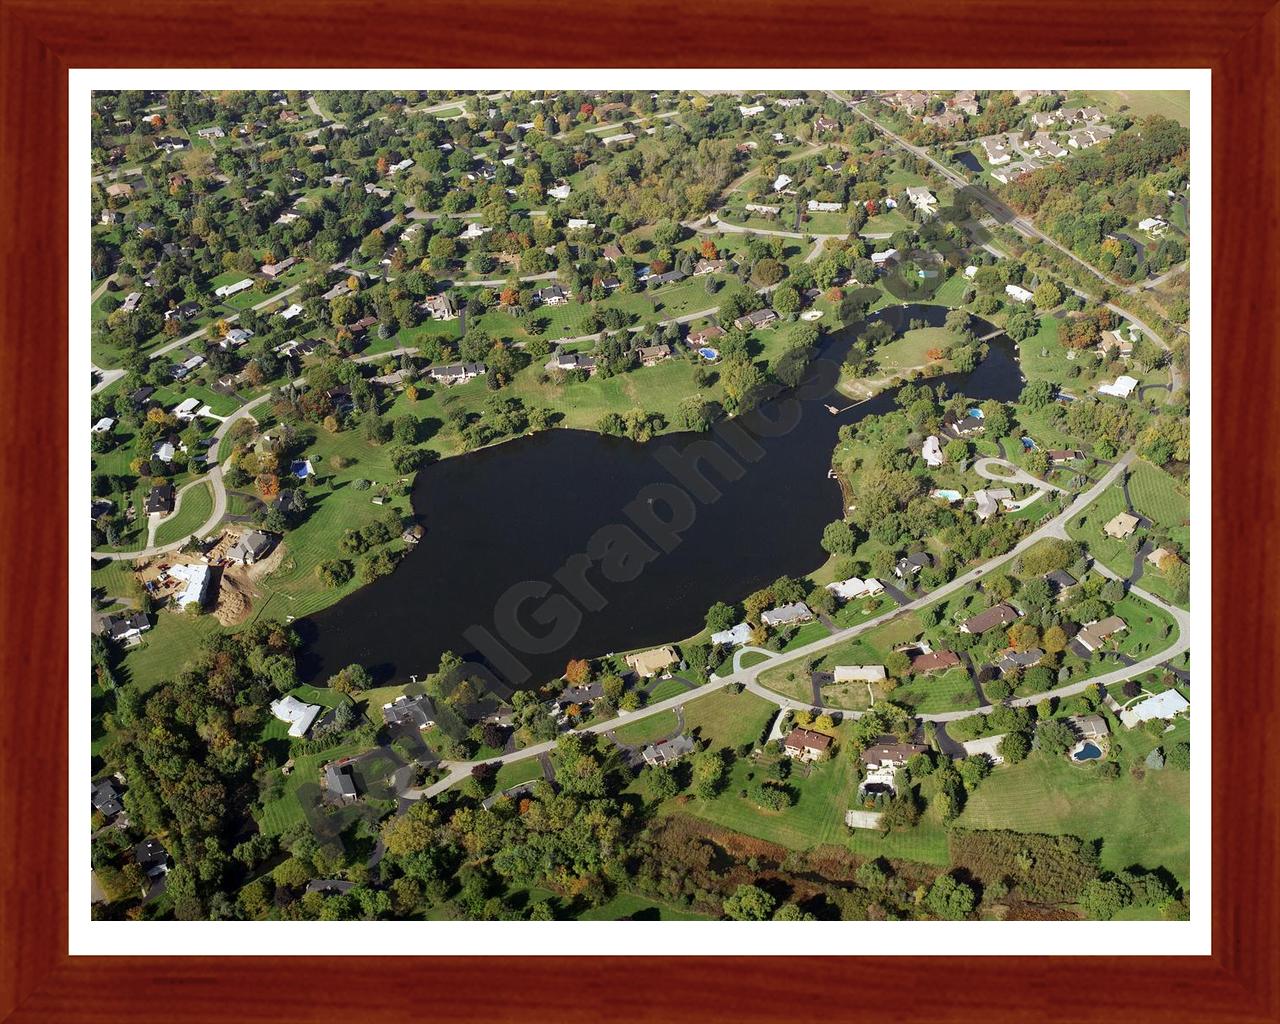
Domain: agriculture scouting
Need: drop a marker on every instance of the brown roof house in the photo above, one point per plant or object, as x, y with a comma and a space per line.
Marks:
935, 661
649, 663
806, 744
1123, 524
1095, 634
1000, 615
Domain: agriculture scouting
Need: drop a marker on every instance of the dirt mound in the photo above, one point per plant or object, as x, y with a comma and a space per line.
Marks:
234, 601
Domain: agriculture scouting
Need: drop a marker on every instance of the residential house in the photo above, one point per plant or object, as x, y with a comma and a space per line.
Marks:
1122, 388
1060, 581
125, 626
159, 500
962, 426
879, 259
1089, 727
931, 451
996, 152
552, 295
251, 546
781, 182
1153, 225
848, 590
340, 784
120, 190
653, 354
142, 396
1164, 706
152, 858
818, 207
456, 373
614, 140
131, 302
1044, 145
1084, 138
1095, 634
1060, 456
933, 661
750, 111
570, 361
106, 799
560, 192
647, 664
103, 426
1017, 293
947, 120
197, 576
992, 618
806, 744
211, 132
760, 318
859, 674
1162, 558
710, 267
1120, 525
825, 124
910, 565
668, 751
762, 208
298, 714
735, 637
882, 762
414, 711
612, 253
787, 614
1011, 660
439, 307
370, 189
290, 311
402, 165
227, 290
921, 198
699, 338
988, 500
274, 270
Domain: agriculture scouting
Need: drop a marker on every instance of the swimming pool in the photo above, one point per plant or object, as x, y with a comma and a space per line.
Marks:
1087, 752
1028, 444
946, 494
709, 354
976, 414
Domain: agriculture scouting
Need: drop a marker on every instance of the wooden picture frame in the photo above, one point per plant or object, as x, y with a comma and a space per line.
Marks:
40, 41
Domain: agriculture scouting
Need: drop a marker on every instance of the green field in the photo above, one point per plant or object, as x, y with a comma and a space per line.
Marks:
166, 647
1171, 103
1143, 821
1162, 499
517, 773
285, 811
1087, 528
911, 350
665, 688
729, 719
647, 729
629, 905
752, 658
197, 505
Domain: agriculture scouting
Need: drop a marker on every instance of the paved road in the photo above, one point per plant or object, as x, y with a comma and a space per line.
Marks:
1016, 474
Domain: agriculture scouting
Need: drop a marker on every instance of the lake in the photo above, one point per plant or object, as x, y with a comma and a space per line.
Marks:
571, 544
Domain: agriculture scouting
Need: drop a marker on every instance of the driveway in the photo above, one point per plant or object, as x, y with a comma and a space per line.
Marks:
1012, 474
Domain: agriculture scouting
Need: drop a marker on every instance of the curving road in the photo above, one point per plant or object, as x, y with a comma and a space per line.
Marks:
1016, 475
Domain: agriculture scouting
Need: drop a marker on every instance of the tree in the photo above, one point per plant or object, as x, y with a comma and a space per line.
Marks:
578, 672
837, 538
950, 899
749, 903
1102, 898
1056, 737
721, 616
1015, 747
1047, 295
1179, 756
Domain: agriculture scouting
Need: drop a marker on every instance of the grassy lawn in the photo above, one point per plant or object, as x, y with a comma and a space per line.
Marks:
666, 688
166, 647
1144, 821
1171, 103
807, 634
197, 504
1087, 528
517, 773
646, 730
285, 811
1162, 499
949, 691
911, 350
729, 719
752, 658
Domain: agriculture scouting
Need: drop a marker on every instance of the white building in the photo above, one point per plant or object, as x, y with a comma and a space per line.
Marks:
289, 312
931, 452
559, 192
196, 577
1122, 388
296, 713
736, 637
186, 409
750, 111
781, 182
859, 673
853, 587
818, 207
231, 289
1017, 293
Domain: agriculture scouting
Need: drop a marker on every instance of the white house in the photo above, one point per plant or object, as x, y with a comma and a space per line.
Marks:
103, 425
475, 230
1154, 225
921, 198
559, 192
781, 182
186, 409
969, 271
853, 587
1122, 388
231, 289
296, 713
578, 223
761, 208
787, 614
881, 258
750, 111
818, 207
1017, 293
736, 637
289, 312
196, 577
403, 165
1166, 705
931, 452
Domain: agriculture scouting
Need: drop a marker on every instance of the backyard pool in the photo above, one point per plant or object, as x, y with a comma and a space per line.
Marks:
1087, 752
709, 354
946, 494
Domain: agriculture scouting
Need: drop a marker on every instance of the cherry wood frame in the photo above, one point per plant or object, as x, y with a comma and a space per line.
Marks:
39, 41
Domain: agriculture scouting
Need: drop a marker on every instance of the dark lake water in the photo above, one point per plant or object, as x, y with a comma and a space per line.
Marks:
967, 159
610, 544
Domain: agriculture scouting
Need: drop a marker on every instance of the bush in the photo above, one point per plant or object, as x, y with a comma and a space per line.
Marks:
1179, 756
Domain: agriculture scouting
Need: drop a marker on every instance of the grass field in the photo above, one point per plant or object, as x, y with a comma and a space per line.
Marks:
665, 688
1162, 499
641, 908
1171, 103
729, 719
752, 658
911, 350
949, 691
1088, 529
518, 772
166, 647
1143, 821
285, 811
197, 504
648, 729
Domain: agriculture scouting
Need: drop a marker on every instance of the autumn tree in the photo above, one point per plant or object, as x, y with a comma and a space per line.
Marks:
578, 672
